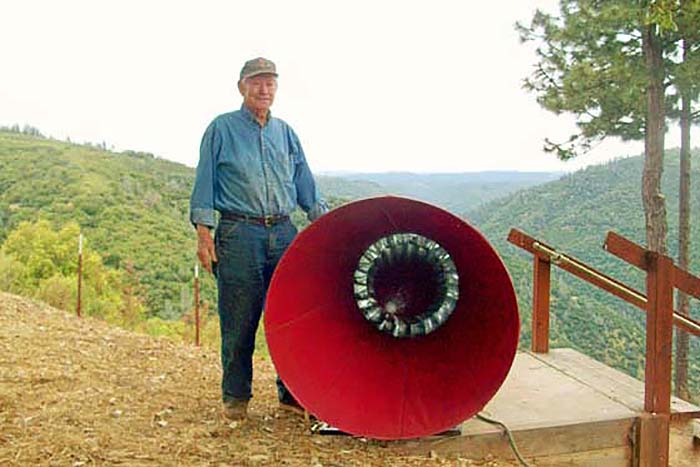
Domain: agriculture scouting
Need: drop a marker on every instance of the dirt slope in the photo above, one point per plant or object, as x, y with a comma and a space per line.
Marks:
79, 392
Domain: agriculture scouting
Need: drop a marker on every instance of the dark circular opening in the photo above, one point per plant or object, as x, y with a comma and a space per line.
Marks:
406, 285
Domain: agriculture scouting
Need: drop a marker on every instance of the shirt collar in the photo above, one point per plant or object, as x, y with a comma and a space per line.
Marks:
251, 118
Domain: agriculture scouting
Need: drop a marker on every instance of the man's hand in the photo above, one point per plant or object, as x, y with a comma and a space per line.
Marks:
205, 247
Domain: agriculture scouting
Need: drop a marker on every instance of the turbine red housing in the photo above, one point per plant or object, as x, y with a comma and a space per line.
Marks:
345, 371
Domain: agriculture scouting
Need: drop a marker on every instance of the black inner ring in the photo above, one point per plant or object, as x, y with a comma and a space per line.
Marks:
406, 285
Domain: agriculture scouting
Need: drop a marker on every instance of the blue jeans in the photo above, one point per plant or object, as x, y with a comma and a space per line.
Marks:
247, 255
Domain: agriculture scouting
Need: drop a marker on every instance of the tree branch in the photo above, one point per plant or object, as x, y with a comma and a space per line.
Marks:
547, 76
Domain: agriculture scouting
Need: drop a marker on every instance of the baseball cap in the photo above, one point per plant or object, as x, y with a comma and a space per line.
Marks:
257, 66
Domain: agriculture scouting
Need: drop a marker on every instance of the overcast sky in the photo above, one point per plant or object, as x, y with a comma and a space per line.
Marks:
368, 85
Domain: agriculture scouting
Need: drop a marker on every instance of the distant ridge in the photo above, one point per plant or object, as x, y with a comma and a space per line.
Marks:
460, 175
457, 192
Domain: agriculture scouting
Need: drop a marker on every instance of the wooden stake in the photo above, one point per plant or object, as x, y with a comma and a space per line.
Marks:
80, 274
196, 305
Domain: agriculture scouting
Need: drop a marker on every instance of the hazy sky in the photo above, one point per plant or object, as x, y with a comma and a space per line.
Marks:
368, 85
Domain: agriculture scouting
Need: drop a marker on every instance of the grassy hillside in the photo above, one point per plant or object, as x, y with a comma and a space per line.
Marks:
574, 214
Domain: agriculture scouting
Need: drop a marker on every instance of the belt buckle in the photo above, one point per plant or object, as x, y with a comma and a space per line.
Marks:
268, 221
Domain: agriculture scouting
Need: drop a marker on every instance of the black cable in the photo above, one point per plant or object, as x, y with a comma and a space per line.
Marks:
507, 432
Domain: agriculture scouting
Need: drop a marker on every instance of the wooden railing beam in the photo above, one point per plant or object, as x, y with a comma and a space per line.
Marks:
614, 244
637, 256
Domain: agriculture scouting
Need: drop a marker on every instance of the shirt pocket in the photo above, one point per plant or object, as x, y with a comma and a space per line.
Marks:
281, 160
240, 158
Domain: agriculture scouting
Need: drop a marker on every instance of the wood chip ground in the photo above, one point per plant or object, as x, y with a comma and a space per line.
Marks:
79, 392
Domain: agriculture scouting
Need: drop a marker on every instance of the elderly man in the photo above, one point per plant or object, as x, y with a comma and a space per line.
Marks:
253, 171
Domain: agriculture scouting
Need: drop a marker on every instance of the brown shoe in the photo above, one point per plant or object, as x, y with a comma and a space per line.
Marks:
235, 410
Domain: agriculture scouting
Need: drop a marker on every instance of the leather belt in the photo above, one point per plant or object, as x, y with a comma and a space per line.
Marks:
267, 221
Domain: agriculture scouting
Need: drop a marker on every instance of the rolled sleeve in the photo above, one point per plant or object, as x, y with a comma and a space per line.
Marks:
202, 200
203, 217
317, 210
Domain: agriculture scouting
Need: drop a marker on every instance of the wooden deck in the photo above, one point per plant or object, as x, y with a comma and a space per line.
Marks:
563, 408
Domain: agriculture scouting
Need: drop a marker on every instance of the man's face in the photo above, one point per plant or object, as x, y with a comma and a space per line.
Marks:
258, 92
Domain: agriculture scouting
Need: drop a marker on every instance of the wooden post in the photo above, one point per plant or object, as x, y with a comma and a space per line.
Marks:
654, 448
80, 274
652, 440
196, 305
540, 305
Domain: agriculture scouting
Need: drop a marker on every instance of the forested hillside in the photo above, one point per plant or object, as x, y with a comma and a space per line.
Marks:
133, 208
574, 214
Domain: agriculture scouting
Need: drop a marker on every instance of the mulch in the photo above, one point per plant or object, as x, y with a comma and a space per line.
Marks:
80, 392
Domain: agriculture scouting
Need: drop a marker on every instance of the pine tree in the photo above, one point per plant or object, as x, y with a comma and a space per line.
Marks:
687, 87
608, 64
612, 64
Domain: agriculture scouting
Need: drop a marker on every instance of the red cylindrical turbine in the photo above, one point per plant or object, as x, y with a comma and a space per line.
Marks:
344, 370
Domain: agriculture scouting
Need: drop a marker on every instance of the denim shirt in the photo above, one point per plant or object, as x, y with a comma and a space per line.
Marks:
252, 170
